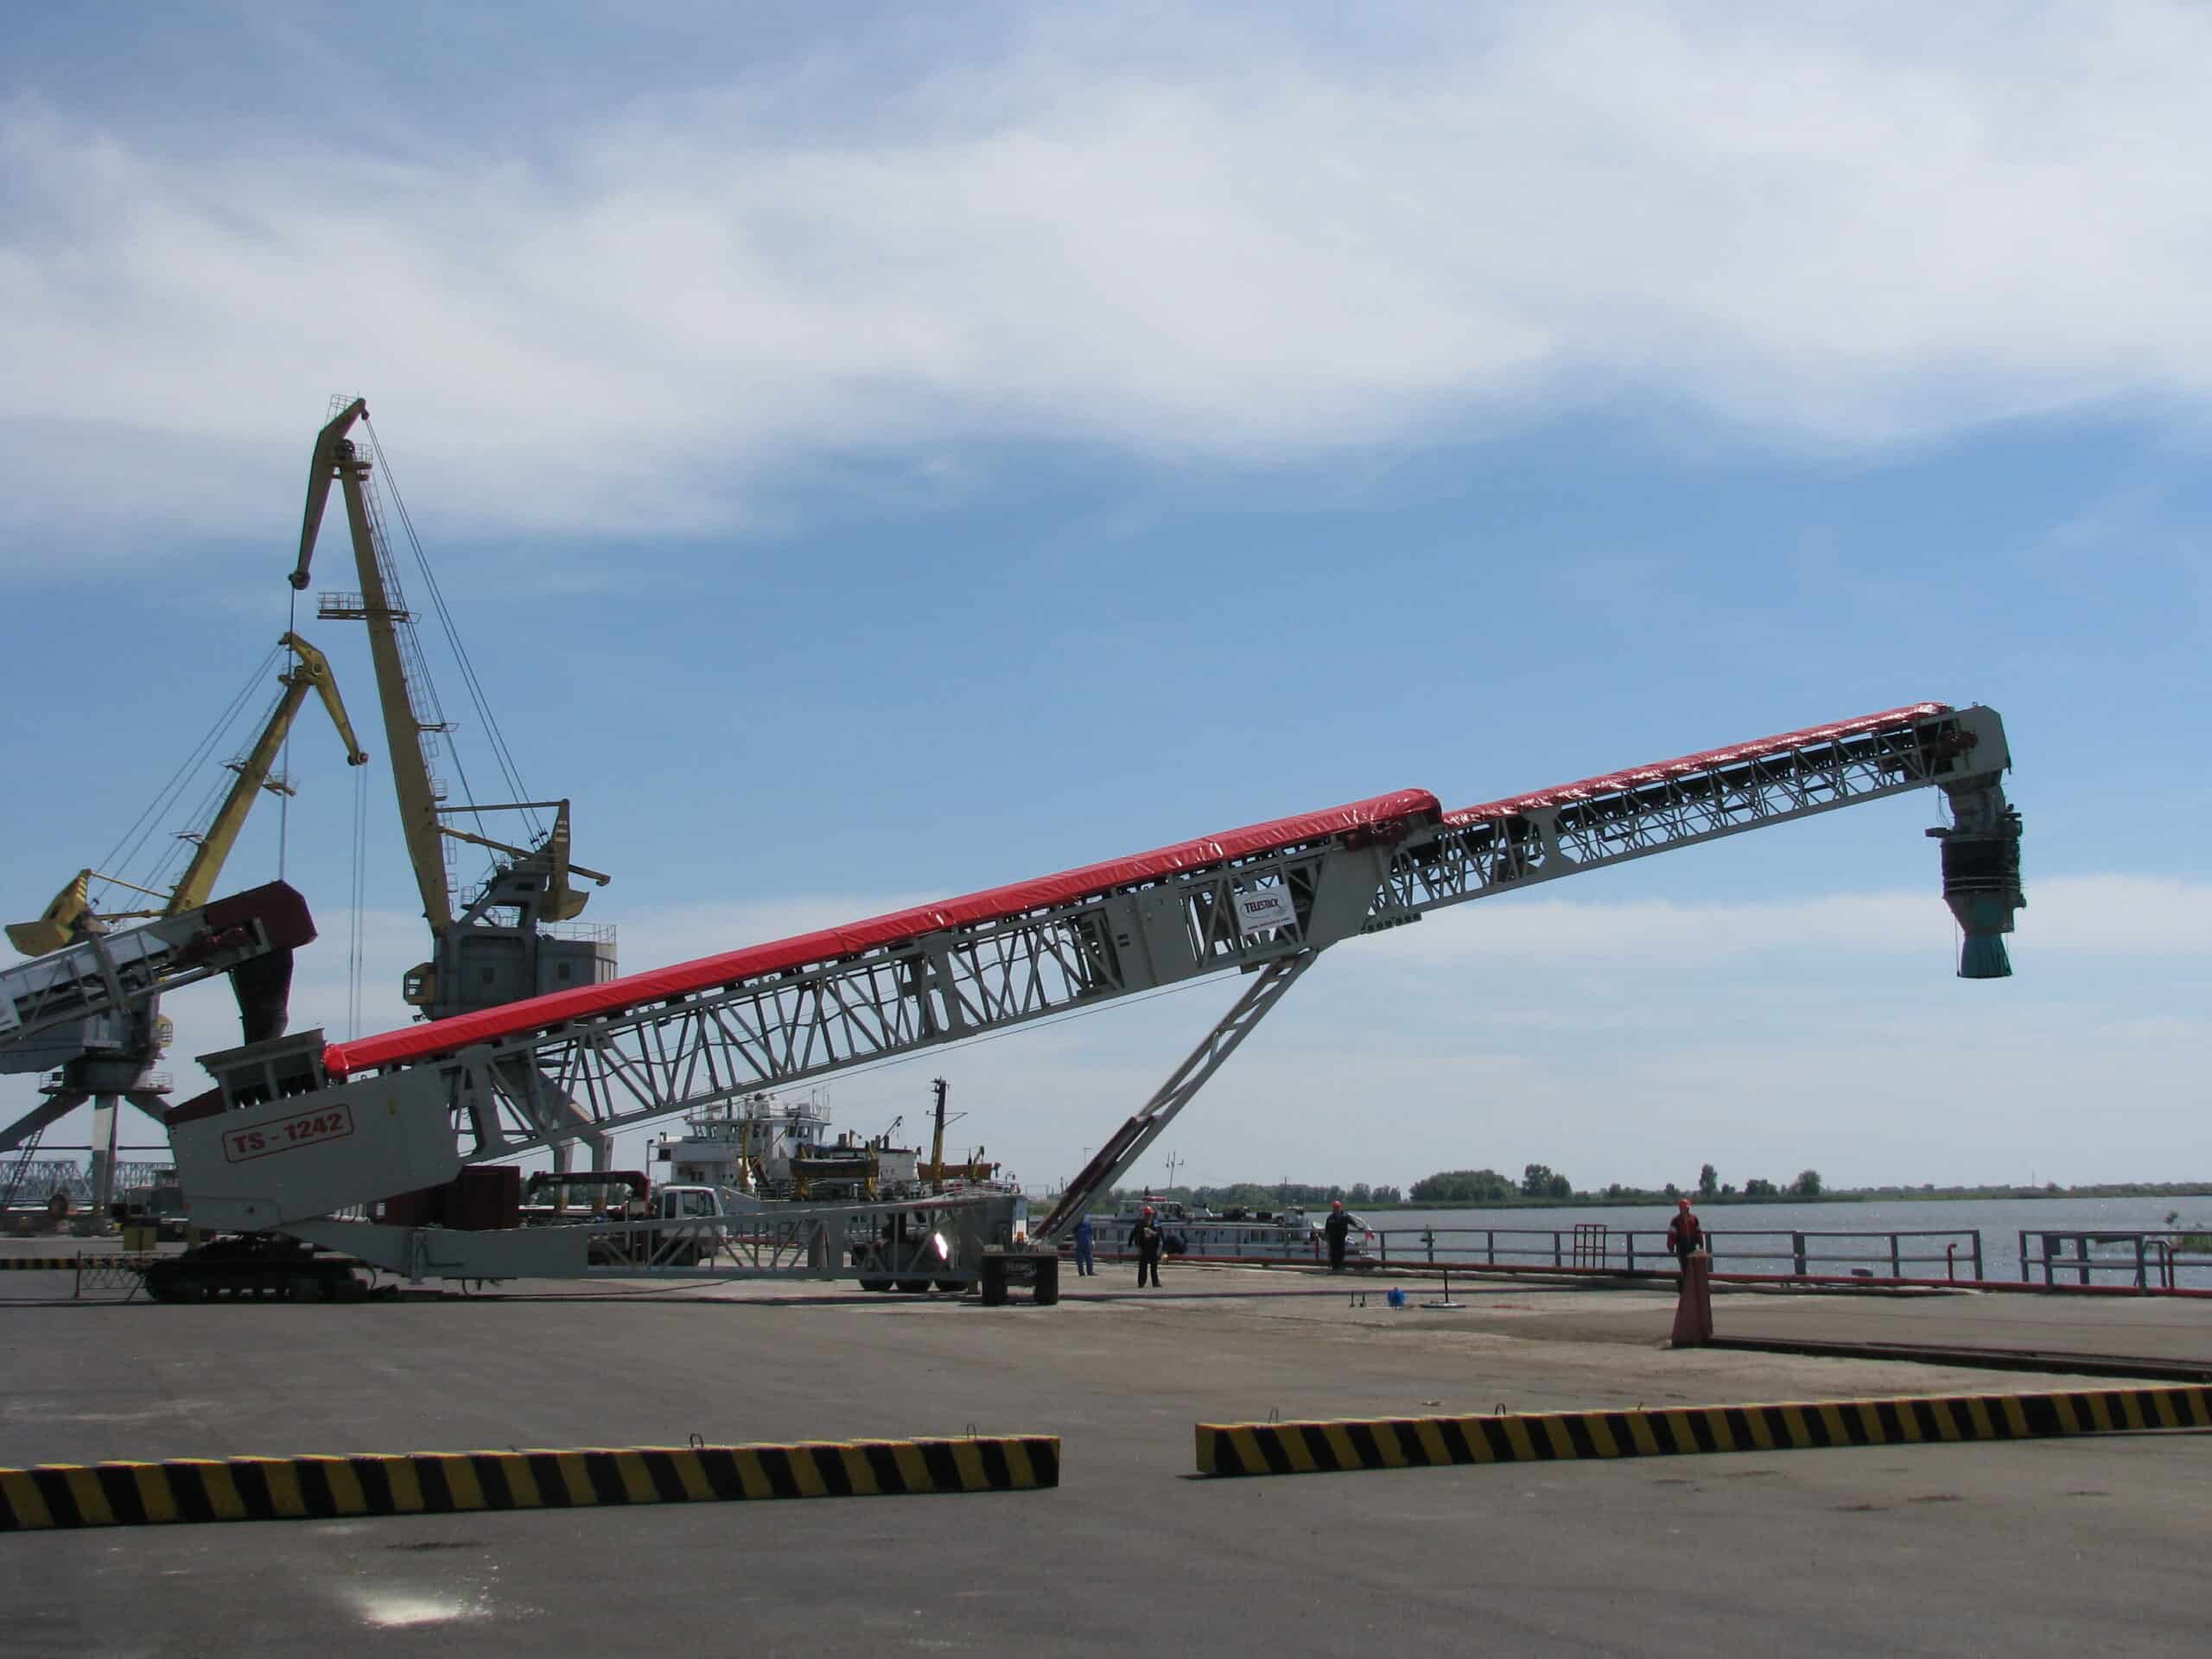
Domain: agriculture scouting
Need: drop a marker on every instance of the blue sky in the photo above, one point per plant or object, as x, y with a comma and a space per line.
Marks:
870, 461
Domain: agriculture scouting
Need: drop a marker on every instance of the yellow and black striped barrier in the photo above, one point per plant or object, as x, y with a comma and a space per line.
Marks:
447, 1483
1304, 1448
38, 1263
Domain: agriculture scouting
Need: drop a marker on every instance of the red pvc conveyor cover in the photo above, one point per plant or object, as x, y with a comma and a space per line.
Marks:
997, 904
1614, 783
830, 945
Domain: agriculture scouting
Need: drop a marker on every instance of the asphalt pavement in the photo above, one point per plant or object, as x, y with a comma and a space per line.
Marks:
2083, 1546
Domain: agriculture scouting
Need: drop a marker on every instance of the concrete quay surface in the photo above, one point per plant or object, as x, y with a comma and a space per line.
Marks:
2090, 1545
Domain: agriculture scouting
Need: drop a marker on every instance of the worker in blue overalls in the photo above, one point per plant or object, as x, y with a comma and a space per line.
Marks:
1084, 1267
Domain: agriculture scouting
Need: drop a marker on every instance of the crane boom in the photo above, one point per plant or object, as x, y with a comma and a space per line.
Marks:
1265, 900
336, 457
253, 773
58, 926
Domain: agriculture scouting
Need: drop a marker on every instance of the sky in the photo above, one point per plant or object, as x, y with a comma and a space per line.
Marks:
873, 455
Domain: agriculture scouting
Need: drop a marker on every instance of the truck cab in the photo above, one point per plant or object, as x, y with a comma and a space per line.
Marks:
691, 1221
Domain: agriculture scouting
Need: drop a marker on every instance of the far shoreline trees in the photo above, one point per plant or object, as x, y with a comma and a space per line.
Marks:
1463, 1186
1542, 1186
1487, 1188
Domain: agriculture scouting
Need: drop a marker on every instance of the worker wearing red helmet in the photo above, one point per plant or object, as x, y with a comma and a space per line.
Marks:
1685, 1233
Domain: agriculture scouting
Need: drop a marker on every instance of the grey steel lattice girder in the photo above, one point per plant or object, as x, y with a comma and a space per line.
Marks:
1961, 751
636, 1063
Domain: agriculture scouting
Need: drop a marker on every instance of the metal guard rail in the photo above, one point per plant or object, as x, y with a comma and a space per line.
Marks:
2151, 1260
1593, 1245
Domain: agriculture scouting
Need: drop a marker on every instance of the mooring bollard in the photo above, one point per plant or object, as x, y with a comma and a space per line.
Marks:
1693, 1306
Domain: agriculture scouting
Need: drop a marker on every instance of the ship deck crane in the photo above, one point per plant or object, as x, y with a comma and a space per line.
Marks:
937, 1171
495, 951
105, 1058
411, 1108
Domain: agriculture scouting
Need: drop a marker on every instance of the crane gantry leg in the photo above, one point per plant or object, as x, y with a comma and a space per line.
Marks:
1130, 1141
107, 1123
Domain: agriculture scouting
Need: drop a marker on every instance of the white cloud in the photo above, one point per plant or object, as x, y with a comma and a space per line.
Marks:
1851, 231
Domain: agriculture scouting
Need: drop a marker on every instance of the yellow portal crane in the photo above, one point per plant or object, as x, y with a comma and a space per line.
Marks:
211, 846
482, 959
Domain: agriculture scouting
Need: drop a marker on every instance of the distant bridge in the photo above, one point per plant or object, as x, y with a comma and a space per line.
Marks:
43, 1177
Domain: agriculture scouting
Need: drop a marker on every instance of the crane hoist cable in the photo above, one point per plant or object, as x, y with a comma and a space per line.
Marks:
160, 875
284, 797
129, 845
215, 826
356, 947
504, 756
434, 732
133, 838
509, 771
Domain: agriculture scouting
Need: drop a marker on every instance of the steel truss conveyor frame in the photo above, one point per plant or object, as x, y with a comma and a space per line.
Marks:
1263, 900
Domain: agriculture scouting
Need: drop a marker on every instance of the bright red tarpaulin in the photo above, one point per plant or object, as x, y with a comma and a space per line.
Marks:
995, 904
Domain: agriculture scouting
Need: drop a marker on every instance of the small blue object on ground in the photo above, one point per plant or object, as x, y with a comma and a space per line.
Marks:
1397, 1298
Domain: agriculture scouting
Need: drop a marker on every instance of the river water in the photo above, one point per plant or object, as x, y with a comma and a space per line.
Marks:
1741, 1232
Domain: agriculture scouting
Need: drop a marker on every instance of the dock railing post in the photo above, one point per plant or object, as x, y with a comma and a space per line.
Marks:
2027, 1267
2082, 1255
1977, 1256
1490, 1245
1797, 1253
1630, 1236
1428, 1238
1897, 1262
